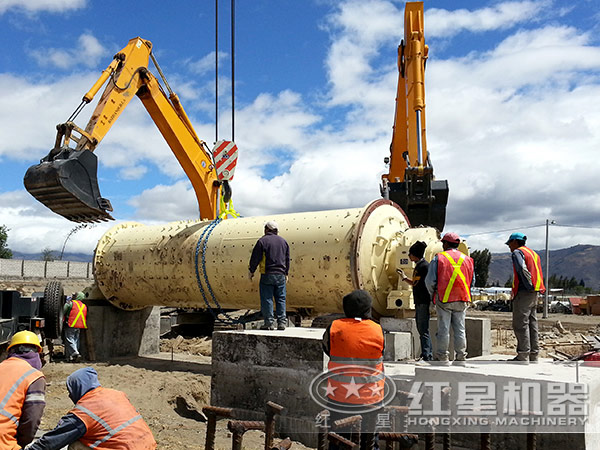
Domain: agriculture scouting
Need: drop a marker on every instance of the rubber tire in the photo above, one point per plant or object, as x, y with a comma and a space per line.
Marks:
52, 309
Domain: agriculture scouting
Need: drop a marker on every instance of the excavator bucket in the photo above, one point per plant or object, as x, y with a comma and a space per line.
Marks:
66, 182
423, 200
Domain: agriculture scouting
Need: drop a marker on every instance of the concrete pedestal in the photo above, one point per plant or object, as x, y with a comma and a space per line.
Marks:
115, 332
252, 367
479, 336
479, 332
559, 402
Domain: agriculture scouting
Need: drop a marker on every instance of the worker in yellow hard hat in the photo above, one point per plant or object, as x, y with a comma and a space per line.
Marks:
22, 391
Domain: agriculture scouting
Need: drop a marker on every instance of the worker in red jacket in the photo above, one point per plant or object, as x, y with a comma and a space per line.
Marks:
22, 391
528, 280
102, 418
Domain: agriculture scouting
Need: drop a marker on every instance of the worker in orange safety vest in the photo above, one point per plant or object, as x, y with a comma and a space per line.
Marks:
355, 347
102, 418
22, 391
528, 280
75, 314
449, 280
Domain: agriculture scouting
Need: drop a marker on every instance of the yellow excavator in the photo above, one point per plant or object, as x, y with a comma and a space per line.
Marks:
410, 182
66, 179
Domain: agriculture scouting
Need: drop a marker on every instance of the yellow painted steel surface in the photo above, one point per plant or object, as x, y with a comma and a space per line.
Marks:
332, 253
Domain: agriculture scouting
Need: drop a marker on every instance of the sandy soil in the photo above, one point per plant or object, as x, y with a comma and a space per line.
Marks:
152, 385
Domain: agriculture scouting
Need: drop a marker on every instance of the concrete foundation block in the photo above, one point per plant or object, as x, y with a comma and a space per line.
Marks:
252, 367
479, 336
115, 332
398, 346
392, 324
564, 398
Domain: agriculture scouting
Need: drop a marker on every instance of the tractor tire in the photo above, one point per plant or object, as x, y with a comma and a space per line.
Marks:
52, 309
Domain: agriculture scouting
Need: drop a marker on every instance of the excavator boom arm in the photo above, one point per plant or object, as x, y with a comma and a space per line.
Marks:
66, 180
410, 182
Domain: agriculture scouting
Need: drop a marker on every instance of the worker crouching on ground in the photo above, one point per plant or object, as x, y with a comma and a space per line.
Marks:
102, 418
75, 319
449, 281
22, 391
272, 253
350, 342
528, 280
421, 296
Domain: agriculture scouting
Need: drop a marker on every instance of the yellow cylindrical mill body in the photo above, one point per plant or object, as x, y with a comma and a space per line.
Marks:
195, 264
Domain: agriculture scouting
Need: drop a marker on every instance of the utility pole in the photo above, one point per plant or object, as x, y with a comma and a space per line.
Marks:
545, 314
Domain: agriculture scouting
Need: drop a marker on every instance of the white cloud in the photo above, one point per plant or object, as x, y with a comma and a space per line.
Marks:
88, 53
33, 228
29, 110
444, 23
167, 203
513, 126
35, 6
206, 64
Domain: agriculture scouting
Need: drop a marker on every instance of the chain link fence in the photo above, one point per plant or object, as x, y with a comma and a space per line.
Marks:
22, 268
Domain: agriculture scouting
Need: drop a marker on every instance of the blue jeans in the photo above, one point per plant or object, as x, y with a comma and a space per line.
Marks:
446, 319
272, 286
71, 341
422, 320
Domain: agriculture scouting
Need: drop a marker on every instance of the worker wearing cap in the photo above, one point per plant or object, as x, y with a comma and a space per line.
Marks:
75, 319
272, 254
421, 296
449, 281
22, 391
528, 280
102, 418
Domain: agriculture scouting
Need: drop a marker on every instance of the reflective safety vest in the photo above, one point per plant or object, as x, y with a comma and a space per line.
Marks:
112, 422
78, 315
454, 276
534, 266
16, 375
356, 362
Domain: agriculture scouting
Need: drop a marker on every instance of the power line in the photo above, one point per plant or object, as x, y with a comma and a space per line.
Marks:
502, 231
576, 226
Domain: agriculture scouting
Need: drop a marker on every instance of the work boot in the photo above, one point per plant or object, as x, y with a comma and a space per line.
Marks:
533, 358
520, 360
281, 326
266, 326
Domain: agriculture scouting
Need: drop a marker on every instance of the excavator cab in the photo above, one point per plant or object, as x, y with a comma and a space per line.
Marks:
66, 182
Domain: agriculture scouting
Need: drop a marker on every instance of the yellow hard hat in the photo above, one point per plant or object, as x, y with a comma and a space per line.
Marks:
25, 338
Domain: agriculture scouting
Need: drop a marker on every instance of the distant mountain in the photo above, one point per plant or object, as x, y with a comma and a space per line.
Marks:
580, 261
80, 257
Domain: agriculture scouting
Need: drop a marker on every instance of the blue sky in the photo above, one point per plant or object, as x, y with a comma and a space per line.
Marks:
512, 89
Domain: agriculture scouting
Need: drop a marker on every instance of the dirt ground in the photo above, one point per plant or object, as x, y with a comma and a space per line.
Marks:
153, 386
